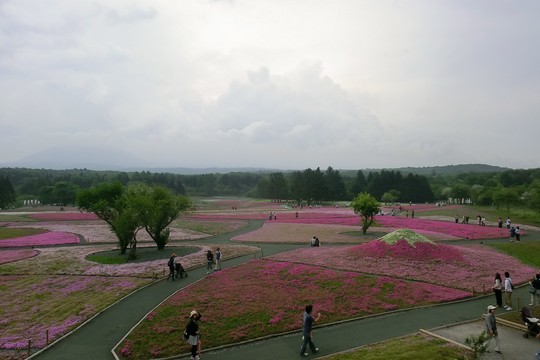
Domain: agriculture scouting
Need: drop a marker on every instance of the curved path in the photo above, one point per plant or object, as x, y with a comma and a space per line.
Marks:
97, 337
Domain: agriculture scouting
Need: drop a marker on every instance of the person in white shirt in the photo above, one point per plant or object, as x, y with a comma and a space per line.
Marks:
508, 291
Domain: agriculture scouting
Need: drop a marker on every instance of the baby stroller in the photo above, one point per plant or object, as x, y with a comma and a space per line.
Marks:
180, 271
533, 329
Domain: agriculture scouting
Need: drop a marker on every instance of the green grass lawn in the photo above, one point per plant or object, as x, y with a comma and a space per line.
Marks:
209, 227
417, 347
14, 218
526, 252
10, 233
517, 215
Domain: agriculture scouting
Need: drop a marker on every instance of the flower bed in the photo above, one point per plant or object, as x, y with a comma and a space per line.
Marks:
49, 238
101, 233
71, 260
271, 301
306, 216
8, 256
278, 232
461, 267
206, 226
63, 216
465, 231
31, 305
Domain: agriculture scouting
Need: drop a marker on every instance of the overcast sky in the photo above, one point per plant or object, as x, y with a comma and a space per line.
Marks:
275, 84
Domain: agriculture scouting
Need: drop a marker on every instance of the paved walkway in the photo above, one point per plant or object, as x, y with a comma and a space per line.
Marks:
96, 338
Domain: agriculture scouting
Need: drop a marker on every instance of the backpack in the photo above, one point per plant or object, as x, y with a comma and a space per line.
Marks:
186, 335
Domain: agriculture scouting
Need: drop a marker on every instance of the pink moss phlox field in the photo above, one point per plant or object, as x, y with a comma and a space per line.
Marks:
55, 303
49, 238
279, 232
99, 232
474, 269
64, 216
421, 251
8, 256
72, 260
419, 207
272, 297
466, 231
337, 216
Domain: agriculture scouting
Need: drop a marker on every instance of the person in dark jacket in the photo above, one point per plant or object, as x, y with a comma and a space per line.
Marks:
307, 331
170, 264
209, 261
194, 338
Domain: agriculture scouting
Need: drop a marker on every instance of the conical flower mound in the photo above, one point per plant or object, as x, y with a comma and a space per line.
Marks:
408, 245
405, 234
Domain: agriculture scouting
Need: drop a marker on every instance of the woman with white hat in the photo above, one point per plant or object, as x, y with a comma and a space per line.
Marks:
192, 332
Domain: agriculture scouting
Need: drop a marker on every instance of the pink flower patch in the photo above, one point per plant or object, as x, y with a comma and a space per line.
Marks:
64, 216
466, 231
49, 238
14, 255
421, 251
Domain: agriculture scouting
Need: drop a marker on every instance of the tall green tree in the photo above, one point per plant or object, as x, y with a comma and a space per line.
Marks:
7, 194
277, 186
359, 184
335, 185
107, 201
366, 206
505, 197
157, 207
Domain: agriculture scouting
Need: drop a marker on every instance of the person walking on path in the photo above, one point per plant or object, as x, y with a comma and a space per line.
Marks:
517, 233
508, 289
307, 331
535, 290
512, 233
209, 261
170, 264
500, 222
508, 223
497, 289
218, 259
192, 332
491, 327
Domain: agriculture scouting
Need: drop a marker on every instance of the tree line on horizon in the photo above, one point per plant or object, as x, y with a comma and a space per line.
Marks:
507, 188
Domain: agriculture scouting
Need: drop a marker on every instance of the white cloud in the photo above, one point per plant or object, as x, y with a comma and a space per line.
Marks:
278, 84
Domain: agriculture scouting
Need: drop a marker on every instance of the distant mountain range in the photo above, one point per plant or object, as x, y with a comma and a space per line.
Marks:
92, 158
80, 157
452, 169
